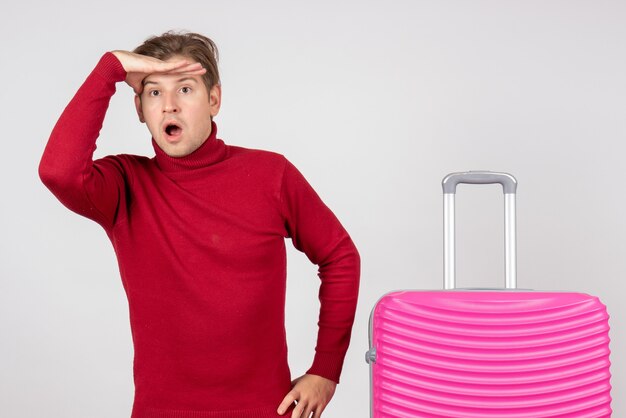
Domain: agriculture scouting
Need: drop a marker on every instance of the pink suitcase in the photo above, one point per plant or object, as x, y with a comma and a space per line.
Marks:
483, 353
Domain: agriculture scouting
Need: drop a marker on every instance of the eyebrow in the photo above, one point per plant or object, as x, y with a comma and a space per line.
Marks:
178, 81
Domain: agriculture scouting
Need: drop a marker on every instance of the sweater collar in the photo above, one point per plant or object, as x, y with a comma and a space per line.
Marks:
212, 151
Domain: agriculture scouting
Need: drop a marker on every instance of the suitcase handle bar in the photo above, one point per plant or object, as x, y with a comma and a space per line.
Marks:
509, 188
508, 182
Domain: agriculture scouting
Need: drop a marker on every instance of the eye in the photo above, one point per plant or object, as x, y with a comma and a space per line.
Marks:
154, 93
185, 89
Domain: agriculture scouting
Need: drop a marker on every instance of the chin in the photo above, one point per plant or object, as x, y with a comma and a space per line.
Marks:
177, 153
171, 149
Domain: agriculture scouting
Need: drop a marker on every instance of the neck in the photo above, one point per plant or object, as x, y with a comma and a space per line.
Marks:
212, 150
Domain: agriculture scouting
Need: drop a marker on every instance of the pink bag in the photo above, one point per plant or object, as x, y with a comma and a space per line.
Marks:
483, 353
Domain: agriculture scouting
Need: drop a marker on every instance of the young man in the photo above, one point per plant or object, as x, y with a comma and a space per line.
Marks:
199, 232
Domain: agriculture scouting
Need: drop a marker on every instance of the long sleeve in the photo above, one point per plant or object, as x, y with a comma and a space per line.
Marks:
94, 189
315, 230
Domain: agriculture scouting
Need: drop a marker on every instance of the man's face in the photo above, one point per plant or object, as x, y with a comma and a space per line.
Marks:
177, 109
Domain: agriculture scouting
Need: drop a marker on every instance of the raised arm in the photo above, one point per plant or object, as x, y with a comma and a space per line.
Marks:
95, 189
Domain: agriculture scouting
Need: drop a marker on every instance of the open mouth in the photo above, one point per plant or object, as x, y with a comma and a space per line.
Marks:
173, 130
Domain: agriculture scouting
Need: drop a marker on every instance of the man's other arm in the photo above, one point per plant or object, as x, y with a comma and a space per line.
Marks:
315, 230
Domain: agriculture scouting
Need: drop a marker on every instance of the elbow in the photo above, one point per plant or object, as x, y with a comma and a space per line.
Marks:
345, 258
357, 263
45, 174
50, 177
55, 176
353, 252
354, 257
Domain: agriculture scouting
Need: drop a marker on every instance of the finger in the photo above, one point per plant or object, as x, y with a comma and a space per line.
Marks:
162, 67
190, 66
298, 411
318, 412
286, 403
195, 70
176, 68
137, 86
172, 65
199, 71
307, 412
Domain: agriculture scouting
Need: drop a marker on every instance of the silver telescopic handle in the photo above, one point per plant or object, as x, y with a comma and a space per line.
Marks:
509, 187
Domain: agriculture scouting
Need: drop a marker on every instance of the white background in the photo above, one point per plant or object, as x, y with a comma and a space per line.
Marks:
375, 103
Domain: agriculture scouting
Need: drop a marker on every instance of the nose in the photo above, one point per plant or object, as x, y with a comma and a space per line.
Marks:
170, 105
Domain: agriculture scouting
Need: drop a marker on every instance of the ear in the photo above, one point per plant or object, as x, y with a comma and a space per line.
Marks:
138, 107
215, 99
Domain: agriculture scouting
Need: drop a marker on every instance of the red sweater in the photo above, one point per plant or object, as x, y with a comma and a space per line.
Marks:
200, 242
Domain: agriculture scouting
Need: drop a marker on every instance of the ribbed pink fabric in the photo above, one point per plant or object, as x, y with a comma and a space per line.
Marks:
473, 354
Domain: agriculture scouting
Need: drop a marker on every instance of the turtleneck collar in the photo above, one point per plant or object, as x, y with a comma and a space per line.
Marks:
212, 151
